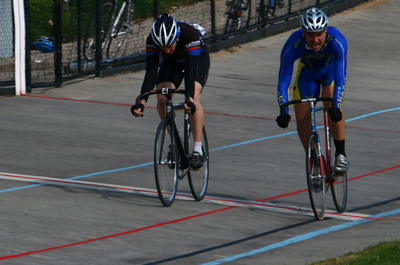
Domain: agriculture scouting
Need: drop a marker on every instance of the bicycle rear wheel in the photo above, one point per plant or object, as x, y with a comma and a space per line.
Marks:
89, 42
316, 182
121, 28
339, 186
198, 179
165, 164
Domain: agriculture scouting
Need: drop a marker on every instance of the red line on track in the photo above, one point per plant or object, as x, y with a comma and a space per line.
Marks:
212, 113
191, 217
120, 104
115, 235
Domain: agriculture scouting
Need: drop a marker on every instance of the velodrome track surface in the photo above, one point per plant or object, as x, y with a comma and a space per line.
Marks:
77, 184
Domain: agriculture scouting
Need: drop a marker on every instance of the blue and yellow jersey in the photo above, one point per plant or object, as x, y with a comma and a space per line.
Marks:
334, 53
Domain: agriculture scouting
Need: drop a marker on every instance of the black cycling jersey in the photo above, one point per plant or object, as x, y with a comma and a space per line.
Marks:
190, 46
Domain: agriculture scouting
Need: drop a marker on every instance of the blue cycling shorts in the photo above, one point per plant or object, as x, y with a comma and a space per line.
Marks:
309, 81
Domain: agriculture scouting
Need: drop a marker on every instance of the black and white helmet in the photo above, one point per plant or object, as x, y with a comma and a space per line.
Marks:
165, 30
314, 20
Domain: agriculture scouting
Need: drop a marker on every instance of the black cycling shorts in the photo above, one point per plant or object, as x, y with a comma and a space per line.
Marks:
173, 71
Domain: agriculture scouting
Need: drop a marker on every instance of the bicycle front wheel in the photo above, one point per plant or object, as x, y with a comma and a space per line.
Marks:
165, 163
121, 28
339, 186
89, 42
315, 180
198, 178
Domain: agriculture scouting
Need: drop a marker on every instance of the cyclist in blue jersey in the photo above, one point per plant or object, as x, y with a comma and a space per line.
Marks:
322, 51
185, 55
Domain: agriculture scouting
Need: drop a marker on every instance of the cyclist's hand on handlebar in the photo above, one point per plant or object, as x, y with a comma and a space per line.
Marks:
137, 111
190, 108
283, 120
335, 113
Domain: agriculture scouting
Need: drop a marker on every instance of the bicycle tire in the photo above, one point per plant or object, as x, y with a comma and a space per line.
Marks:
198, 179
339, 186
89, 42
166, 162
122, 28
315, 181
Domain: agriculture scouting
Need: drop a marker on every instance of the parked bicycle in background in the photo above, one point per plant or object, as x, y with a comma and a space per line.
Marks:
238, 12
115, 25
266, 9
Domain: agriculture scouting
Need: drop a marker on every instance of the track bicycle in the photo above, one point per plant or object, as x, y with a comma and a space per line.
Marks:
237, 11
319, 164
172, 154
266, 9
115, 24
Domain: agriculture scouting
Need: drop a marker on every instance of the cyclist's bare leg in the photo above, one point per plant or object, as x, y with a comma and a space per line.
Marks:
303, 121
162, 99
197, 120
337, 128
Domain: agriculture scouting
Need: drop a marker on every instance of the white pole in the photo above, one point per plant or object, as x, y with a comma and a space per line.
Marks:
20, 34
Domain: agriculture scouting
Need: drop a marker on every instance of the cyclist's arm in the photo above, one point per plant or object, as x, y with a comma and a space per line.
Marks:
191, 63
150, 79
340, 45
285, 73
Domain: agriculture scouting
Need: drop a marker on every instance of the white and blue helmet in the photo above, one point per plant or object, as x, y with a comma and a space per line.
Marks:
314, 20
165, 30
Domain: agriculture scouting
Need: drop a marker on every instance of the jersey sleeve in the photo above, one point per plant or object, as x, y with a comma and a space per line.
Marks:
152, 61
193, 50
340, 49
288, 57
190, 73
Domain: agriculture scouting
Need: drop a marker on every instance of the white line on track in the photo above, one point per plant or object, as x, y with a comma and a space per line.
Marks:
180, 196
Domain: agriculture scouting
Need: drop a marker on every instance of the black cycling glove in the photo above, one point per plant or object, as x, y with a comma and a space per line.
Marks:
133, 108
335, 113
283, 120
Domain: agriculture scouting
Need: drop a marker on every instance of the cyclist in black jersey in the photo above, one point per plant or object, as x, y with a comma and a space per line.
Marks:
185, 55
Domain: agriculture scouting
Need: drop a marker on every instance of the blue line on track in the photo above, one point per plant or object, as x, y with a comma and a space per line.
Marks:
301, 238
214, 149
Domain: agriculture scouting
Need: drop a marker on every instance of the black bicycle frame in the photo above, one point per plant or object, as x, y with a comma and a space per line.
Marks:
183, 148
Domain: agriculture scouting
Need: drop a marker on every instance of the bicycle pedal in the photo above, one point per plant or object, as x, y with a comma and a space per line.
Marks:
196, 169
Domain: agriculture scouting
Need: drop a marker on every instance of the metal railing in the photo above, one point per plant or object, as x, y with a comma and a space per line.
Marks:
72, 19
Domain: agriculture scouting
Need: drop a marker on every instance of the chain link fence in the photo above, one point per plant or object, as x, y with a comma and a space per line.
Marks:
78, 29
